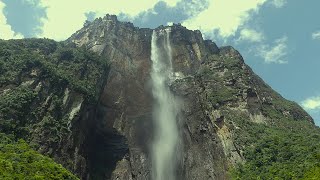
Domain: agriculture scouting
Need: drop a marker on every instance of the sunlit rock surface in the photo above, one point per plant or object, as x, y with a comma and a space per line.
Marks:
97, 120
213, 83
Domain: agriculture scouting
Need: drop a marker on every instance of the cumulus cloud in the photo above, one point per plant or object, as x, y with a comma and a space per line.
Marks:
24, 16
6, 31
172, 2
316, 35
210, 16
224, 16
66, 17
278, 3
162, 13
275, 53
250, 35
312, 103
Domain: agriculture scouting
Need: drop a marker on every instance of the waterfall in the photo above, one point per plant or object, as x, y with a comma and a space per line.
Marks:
165, 110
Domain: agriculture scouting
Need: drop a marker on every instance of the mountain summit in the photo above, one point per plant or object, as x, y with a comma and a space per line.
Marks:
88, 104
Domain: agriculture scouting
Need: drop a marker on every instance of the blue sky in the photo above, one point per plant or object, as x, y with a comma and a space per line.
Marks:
279, 39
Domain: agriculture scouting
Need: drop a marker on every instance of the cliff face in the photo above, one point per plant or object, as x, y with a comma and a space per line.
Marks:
127, 98
93, 114
220, 94
48, 96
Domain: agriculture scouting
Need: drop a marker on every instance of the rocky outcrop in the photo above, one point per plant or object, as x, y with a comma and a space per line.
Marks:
48, 93
126, 97
93, 114
214, 84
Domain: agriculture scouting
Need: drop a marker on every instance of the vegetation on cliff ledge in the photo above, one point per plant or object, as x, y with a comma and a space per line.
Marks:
275, 138
58, 62
19, 161
277, 153
42, 82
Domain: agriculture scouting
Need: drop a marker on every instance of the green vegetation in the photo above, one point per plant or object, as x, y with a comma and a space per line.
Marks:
34, 76
14, 105
221, 95
278, 153
61, 63
285, 145
19, 161
312, 174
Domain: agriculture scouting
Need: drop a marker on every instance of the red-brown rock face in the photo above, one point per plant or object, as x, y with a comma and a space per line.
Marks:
214, 84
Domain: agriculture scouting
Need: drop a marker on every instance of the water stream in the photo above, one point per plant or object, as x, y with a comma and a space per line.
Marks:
165, 110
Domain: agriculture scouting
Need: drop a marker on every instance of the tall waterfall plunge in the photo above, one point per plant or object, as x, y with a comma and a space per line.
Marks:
165, 144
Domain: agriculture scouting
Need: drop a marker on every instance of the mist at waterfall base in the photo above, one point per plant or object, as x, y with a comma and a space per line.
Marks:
166, 144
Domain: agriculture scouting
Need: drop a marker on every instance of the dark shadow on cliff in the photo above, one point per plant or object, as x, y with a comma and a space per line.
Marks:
105, 148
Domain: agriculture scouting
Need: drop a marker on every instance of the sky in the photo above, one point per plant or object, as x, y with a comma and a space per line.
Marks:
279, 39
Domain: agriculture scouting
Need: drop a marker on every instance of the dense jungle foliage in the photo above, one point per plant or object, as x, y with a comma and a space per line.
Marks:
19, 161
279, 153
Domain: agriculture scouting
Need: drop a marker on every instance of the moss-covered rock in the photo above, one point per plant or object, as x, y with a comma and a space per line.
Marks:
94, 116
48, 90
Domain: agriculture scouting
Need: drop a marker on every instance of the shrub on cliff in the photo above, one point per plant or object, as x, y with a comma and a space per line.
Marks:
19, 161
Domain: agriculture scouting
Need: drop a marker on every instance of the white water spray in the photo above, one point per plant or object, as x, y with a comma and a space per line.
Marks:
165, 144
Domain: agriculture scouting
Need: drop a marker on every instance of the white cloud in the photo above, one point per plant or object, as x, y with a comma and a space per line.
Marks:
250, 35
316, 35
31, 2
312, 103
278, 3
274, 53
224, 16
169, 23
171, 2
5, 29
66, 17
